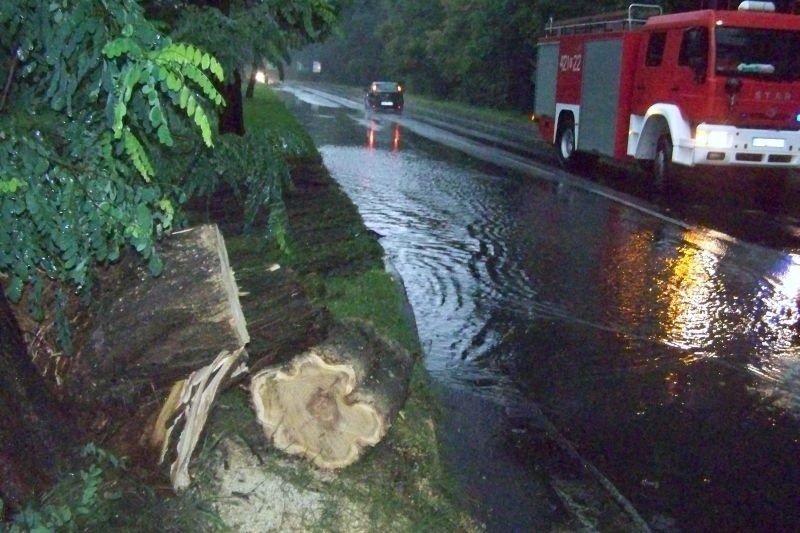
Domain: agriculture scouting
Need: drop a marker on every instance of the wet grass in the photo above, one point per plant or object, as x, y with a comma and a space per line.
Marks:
489, 115
372, 295
265, 112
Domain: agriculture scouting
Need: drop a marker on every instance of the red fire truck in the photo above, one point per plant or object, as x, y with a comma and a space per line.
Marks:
706, 87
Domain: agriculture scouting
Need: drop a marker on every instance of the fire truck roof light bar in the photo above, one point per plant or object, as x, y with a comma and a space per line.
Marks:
748, 5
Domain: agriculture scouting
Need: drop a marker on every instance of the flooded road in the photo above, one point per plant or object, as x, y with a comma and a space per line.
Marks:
596, 354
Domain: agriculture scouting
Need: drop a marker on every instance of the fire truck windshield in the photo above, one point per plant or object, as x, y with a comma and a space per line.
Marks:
755, 52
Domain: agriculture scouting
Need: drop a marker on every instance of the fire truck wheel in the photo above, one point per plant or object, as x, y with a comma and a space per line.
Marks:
565, 144
662, 161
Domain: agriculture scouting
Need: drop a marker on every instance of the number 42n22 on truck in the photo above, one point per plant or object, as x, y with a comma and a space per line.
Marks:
707, 87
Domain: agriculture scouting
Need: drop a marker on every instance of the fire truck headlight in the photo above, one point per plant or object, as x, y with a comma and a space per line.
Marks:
712, 138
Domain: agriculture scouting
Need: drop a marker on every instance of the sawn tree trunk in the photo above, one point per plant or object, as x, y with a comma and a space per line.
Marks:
332, 401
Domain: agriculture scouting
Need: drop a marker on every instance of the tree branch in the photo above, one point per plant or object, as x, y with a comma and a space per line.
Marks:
7, 88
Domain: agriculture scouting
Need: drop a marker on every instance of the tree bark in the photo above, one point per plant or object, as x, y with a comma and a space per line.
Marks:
159, 349
152, 331
331, 402
231, 118
36, 436
251, 83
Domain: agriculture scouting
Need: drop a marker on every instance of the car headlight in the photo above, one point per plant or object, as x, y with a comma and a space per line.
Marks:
712, 138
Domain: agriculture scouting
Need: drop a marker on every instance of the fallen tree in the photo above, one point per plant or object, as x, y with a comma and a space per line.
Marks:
156, 353
332, 401
159, 349
148, 332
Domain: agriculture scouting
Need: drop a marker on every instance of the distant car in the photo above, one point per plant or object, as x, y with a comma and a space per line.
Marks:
386, 95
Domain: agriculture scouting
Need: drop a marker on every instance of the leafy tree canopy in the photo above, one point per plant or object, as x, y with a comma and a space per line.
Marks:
102, 107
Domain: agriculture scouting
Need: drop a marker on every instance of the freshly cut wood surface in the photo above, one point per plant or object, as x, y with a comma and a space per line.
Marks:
334, 400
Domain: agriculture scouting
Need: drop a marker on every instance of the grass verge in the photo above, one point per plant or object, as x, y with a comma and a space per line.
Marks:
400, 485
485, 114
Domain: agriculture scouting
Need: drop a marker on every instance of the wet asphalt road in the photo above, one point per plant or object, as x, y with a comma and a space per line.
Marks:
611, 356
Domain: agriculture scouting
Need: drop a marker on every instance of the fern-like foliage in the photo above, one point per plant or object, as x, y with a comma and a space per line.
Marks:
172, 70
98, 111
93, 92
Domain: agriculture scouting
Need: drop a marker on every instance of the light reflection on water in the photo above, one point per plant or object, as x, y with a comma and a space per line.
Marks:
455, 239
653, 347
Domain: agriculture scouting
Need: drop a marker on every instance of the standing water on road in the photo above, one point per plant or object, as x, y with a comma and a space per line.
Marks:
567, 328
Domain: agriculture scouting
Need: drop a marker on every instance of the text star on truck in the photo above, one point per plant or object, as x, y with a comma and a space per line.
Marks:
705, 87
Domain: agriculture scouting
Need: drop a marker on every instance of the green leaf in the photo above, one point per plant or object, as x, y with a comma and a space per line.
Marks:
123, 45
64, 514
10, 185
156, 117
14, 289
201, 120
137, 155
173, 83
70, 259
164, 136
120, 110
184, 97
216, 69
160, 73
32, 202
144, 218
155, 265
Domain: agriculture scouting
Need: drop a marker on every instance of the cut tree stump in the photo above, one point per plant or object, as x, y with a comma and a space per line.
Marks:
332, 401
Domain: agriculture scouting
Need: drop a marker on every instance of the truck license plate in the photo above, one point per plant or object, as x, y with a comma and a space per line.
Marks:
766, 142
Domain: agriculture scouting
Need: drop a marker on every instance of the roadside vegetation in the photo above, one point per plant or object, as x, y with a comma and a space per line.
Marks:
118, 118
106, 111
490, 115
400, 485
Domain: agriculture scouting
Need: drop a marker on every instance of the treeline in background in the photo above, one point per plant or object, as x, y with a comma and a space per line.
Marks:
480, 52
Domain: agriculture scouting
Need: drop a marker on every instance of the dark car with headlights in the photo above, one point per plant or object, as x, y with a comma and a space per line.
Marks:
384, 95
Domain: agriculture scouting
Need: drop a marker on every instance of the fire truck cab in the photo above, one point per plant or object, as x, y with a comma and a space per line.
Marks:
706, 87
